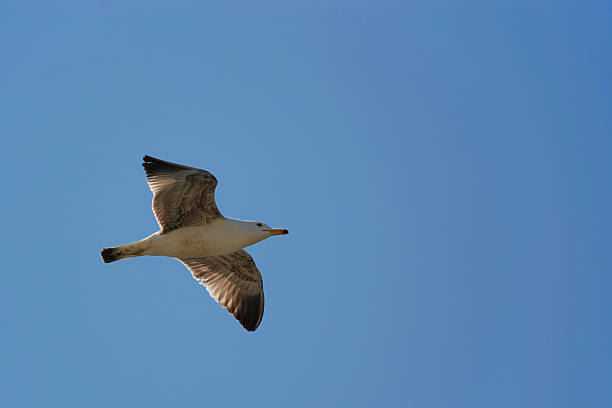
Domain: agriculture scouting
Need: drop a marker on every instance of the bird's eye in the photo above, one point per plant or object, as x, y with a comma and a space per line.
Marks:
259, 224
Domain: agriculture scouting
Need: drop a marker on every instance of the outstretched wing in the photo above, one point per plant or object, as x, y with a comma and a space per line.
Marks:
182, 196
234, 281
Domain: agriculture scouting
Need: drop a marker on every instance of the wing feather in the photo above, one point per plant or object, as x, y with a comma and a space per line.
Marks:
234, 281
182, 196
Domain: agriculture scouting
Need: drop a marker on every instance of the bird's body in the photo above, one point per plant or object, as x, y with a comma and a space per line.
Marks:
220, 237
209, 244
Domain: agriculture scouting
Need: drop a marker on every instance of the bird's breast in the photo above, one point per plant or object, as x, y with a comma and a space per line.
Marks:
192, 242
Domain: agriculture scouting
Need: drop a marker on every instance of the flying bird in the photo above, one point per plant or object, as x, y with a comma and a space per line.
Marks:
210, 245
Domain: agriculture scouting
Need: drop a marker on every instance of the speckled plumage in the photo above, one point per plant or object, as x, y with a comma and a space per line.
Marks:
234, 281
183, 196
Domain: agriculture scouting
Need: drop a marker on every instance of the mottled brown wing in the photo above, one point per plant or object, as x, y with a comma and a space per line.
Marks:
182, 196
234, 281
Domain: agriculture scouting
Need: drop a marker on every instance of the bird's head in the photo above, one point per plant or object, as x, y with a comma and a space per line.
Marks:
267, 231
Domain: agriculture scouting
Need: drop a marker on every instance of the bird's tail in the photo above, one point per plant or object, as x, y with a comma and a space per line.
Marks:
111, 254
125, 251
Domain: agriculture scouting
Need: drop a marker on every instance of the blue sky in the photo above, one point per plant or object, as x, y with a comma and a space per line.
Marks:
443, 169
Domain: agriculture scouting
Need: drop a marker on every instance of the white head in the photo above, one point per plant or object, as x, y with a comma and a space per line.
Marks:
255, 231
265, 231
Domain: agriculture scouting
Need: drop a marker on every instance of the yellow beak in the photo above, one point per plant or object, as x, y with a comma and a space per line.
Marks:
277, 231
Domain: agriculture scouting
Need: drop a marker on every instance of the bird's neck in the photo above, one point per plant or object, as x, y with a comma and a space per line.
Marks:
243, 231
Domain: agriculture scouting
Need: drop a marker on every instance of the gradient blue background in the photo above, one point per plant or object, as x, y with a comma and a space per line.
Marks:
443, 168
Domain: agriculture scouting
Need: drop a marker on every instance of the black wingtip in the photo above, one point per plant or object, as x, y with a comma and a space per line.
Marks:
146, 159
250, 313
152, 161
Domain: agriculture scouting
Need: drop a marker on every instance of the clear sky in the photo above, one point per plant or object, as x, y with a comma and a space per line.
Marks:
443, 169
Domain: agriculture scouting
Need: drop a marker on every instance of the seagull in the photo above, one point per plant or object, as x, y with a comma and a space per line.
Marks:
193, 231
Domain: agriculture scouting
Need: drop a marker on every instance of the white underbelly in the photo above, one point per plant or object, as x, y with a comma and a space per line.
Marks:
191, 242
